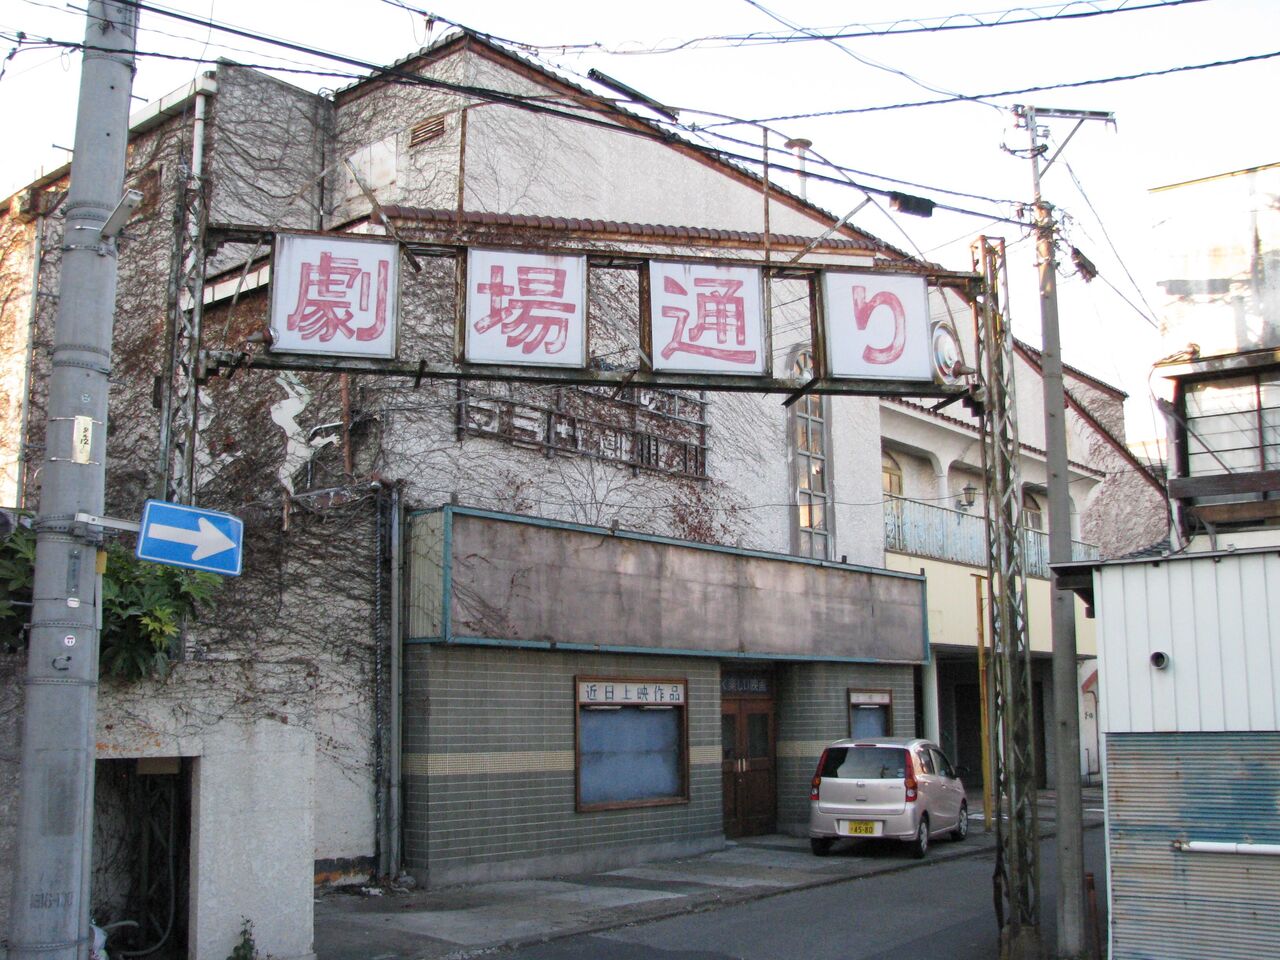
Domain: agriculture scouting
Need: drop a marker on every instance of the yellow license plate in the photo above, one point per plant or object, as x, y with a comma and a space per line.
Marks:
860, 828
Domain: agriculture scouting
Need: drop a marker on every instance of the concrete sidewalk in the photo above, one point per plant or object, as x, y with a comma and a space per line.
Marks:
461, 921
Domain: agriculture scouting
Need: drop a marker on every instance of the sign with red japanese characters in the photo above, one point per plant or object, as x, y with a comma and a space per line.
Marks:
706, 318
335, 295
526, 308
877, 326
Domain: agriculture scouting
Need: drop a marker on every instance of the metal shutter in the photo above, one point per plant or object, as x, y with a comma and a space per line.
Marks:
1173, 905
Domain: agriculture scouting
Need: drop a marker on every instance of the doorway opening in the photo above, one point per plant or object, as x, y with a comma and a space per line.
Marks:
748, 739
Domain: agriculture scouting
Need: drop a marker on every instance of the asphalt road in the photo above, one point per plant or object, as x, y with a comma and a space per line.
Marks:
939, 910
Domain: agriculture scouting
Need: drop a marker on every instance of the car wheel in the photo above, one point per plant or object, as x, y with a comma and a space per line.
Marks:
820, 846
920, 845
962, 825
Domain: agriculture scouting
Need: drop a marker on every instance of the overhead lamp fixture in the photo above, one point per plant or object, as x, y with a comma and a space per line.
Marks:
968, 496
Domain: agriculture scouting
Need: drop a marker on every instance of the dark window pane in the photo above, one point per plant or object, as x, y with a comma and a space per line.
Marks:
628, 754
869, 720
942, 764
866, 763
757, 735
728, 735
926, 761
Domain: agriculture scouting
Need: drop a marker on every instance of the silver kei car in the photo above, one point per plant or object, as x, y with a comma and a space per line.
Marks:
895, 787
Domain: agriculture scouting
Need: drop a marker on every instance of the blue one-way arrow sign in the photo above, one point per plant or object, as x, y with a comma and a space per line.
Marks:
184, 536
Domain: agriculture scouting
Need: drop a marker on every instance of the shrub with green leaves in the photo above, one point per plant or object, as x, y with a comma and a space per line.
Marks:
143, 605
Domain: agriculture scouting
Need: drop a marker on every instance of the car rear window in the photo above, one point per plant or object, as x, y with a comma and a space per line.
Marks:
866, 763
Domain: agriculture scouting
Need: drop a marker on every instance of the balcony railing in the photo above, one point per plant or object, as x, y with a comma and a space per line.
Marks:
926, 530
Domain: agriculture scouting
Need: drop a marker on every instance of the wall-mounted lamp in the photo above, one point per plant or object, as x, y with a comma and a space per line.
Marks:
968, 496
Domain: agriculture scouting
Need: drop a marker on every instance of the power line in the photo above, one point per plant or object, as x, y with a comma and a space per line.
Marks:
32, 43
1036, 89
536, 104
298, 70
1111, 243
700, 130
806, 33
1136, 309
545, 105
997, 18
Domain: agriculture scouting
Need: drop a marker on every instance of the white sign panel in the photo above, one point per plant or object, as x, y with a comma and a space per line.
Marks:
335, 295
877, 326
705, 318
630, 692
860, 697
526, 308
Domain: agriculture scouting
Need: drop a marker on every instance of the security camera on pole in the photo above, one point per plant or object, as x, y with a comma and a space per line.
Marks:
49, 918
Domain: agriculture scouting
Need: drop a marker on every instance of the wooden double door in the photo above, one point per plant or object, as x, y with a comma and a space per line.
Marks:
748, 734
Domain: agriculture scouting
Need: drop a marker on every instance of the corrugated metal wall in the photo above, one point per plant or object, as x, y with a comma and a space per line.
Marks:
1217, 618
1173, 905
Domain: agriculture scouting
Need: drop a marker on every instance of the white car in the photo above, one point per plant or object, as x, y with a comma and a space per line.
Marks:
899, 788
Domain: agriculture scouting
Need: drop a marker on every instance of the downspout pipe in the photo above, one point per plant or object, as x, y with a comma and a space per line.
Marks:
1213, 846
197, 134
381, 865
395, 798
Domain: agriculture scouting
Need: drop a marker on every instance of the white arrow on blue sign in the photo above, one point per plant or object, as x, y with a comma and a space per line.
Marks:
183, 536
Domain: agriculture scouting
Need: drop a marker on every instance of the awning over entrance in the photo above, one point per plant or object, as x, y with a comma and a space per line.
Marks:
492, 578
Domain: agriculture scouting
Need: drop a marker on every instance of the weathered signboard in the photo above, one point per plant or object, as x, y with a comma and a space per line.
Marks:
524, 314
706, 318
877, 326
335, 295
526, 309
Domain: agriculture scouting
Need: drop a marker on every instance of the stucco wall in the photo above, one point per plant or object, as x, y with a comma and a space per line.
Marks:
953, 614
529, 582
252, 794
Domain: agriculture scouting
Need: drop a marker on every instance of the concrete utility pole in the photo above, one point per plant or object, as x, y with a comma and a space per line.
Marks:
1070, 836
49, 919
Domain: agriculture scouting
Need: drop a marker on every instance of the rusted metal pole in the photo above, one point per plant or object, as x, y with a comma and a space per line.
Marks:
344, 381
984, 693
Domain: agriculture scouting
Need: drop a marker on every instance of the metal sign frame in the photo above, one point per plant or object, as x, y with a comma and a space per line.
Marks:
227, 361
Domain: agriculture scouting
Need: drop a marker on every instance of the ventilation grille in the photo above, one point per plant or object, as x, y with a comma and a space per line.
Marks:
426, 131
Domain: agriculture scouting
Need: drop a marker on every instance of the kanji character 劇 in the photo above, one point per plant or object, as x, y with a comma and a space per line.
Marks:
332, 293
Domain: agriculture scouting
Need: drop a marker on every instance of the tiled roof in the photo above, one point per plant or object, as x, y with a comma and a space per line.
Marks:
647, 231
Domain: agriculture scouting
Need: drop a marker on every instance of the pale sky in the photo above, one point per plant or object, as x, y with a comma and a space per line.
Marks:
1169, 128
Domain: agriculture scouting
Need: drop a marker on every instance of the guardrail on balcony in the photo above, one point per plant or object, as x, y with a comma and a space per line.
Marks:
926, 530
